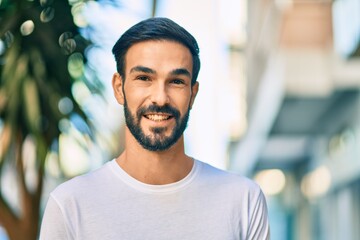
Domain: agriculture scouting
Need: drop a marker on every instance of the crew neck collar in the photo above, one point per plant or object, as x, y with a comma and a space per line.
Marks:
149, 188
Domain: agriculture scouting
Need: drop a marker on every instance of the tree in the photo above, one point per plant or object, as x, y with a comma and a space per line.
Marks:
41, 56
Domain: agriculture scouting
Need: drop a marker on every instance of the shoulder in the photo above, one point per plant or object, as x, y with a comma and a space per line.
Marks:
83, 184
228, 181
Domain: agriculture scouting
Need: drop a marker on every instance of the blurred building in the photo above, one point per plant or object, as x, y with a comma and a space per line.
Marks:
302, 143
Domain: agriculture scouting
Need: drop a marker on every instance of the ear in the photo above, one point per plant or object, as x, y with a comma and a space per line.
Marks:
117, 84
194, 91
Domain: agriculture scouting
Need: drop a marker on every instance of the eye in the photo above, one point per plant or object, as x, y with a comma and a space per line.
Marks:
142, 78
177, 81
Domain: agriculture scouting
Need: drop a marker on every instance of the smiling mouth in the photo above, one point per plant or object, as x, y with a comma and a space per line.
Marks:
158, 117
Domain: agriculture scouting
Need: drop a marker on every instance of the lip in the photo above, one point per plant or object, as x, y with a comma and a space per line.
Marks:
158, 120
158, 117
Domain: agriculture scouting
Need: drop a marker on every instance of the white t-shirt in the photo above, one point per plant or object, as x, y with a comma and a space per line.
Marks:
109, 204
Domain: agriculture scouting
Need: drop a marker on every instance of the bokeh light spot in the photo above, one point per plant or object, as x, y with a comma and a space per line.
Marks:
77, 11
316, 183
2, 47
69, 46
47, 14
271, 181
67, 43
45, 2
80, 92
65, 105
73, 2
76, 65
64, 36
73, 157
64, 125
52, 164
27, 27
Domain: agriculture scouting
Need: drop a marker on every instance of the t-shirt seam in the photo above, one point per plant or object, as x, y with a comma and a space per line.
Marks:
253, 210
194, 174
67, 224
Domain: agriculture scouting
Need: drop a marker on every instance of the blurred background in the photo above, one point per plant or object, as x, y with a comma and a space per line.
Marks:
278, 102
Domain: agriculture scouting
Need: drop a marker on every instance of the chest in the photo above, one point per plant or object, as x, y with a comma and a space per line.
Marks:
170, 216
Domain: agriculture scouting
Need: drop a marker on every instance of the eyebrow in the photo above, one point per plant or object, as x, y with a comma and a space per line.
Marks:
142, 69
178, 71
181, 71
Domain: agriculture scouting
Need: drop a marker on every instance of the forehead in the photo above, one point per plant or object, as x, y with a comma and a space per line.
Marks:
158, 55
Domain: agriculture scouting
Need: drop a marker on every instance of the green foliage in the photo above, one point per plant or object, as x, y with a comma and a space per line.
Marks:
40, 42
41, 56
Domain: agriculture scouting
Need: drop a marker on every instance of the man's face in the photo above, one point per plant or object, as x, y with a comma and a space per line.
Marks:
157, 94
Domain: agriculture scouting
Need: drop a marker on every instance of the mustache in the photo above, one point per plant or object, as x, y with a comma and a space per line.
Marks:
158, 109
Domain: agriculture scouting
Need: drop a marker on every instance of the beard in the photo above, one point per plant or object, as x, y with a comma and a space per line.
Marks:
157, 141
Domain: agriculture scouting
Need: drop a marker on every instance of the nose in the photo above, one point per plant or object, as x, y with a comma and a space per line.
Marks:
159, 95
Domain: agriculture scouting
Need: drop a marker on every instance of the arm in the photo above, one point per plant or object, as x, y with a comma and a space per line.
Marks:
53, 225
259, 225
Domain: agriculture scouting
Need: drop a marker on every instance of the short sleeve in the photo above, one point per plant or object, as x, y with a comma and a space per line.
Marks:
53, 225
259, 225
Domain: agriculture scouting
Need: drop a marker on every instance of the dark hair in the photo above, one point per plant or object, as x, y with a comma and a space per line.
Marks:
155, 29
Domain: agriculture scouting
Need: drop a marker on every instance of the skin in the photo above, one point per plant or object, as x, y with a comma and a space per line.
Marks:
156, 72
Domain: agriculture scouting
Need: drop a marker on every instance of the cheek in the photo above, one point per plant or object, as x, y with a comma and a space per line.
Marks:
134, 96
183, 103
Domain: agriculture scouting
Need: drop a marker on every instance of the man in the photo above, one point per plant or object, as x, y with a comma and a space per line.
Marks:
153, 190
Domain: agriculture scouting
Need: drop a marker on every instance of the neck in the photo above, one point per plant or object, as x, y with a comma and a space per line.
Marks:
154, 167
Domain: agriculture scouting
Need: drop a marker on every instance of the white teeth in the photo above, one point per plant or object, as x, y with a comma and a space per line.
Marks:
155, 117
